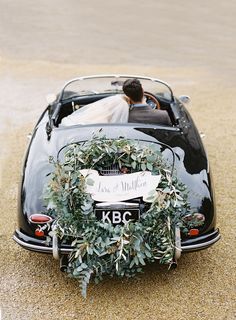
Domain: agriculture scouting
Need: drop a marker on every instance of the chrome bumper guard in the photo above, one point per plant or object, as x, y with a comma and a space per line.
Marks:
38, 245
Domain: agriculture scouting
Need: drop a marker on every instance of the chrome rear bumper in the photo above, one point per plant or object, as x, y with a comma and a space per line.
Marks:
188, 245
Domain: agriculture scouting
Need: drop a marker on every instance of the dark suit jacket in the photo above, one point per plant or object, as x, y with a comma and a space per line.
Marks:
145, 114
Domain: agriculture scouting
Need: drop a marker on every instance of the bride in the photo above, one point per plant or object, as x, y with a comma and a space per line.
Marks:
113, 109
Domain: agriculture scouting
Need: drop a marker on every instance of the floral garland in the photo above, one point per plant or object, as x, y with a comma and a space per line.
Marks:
102, 248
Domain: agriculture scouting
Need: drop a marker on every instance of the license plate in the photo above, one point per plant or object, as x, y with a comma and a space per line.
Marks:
120, 216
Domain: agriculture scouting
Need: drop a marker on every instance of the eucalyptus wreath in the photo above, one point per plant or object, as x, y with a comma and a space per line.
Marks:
101, 248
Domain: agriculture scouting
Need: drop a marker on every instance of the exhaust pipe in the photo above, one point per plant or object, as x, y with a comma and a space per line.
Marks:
64, 263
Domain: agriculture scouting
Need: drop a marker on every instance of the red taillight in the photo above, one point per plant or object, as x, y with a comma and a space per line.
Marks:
193, 232
39, 233
40, 218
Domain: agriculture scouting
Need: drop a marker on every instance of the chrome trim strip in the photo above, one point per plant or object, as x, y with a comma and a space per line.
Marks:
200, 245
117, 204
114, 76
40, 248
68, 250
117, 76
50, 219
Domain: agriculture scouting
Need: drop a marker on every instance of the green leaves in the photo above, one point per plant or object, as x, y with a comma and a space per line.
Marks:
149, 166
102, 248
143, 166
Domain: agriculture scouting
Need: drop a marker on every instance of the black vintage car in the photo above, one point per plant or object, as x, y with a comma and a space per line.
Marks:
179, 142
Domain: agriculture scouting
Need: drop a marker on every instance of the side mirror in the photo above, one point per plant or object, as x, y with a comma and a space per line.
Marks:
185, 99
51, 97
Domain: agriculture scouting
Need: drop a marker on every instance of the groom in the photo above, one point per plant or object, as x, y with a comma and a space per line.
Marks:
140, 111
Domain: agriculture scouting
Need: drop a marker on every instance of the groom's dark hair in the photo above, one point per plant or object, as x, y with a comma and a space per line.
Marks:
133, 89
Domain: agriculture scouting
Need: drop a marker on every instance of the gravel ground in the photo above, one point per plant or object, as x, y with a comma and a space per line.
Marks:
203, 285
42, 49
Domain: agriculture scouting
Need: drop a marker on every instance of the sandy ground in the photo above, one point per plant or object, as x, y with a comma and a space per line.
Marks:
196, 56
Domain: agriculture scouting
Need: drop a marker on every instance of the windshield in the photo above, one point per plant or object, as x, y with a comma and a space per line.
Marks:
112, 84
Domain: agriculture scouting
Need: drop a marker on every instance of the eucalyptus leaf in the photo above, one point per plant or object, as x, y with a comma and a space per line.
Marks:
149, 166
134, 164
143, 166
101, 248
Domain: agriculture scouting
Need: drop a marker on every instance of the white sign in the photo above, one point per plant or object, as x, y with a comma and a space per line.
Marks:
120, 187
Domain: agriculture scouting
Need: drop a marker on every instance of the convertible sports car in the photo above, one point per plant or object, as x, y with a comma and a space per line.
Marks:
179, 142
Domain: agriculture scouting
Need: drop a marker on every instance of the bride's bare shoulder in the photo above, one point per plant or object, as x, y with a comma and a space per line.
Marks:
126, 98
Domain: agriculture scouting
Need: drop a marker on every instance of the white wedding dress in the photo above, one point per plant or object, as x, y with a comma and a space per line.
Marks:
113, 109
